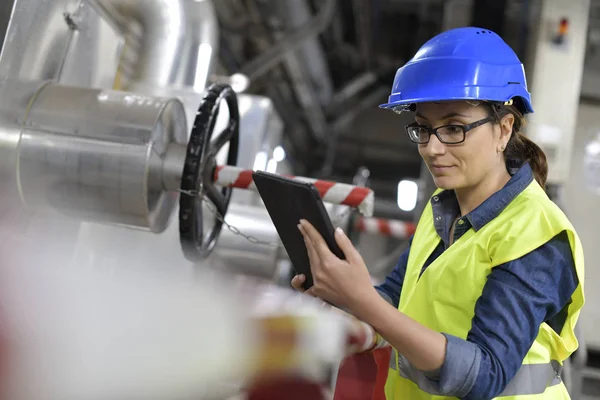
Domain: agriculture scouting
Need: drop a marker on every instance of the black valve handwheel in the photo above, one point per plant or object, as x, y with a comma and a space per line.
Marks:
197, 180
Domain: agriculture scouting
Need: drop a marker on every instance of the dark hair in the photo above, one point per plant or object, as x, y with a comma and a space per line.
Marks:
520, 149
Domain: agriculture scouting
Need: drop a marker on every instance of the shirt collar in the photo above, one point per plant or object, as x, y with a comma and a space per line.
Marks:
496, 203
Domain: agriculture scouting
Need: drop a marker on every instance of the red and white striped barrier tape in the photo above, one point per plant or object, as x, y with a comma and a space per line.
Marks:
331, 192
386, 227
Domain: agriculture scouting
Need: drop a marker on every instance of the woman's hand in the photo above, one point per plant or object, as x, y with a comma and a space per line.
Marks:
298, 281
345, 283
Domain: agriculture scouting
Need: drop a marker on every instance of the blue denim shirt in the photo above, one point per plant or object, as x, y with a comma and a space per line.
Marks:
518, 297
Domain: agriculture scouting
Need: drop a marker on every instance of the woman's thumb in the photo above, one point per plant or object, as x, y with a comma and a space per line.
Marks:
297, 282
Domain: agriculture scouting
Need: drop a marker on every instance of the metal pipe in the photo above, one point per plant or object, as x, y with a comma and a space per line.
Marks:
311, 53
370, 100
235, 253
264, 62
178, 39
172, 169
315, 114
98, 156
362, 15
339, 125
352, 88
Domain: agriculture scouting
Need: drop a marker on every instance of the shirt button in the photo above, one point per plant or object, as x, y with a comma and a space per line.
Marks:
461, 222
438, 218
435, 198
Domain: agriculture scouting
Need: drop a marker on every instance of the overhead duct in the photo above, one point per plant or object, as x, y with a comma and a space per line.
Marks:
174, 45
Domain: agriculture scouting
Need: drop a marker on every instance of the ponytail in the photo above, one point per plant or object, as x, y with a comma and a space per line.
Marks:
520, 149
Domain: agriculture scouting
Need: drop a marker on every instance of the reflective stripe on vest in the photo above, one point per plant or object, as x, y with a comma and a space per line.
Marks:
530, 378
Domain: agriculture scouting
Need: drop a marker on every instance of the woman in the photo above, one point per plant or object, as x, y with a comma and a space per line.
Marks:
484, 302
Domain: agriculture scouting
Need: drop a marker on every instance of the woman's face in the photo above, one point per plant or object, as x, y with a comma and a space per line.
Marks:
467, 164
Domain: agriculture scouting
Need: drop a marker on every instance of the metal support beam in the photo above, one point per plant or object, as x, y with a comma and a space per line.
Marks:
276, 54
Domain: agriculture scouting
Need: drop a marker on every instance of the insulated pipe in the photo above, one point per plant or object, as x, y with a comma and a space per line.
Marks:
99, 155
178, 39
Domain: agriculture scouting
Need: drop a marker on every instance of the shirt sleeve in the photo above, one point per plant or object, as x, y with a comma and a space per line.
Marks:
517, 298
392, 285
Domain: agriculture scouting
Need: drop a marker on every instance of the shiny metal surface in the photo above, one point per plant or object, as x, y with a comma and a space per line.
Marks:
171, 47
40, 46
62, 40
261, 130
13, 102
236, 254
92, 153
172, 167
98, 155
94, 49
172, 35
100, 246
36, 41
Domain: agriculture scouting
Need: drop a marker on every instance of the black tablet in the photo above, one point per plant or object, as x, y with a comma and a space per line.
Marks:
287, 202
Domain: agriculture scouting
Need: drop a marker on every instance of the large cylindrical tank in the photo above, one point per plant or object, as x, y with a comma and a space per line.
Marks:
98, 155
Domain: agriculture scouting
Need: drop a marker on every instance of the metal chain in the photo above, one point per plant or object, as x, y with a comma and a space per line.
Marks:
236, 231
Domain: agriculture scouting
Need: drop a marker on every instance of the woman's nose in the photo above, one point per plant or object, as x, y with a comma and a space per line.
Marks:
434, 146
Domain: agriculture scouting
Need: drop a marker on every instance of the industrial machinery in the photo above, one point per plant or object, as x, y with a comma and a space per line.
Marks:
129, 146
108, 133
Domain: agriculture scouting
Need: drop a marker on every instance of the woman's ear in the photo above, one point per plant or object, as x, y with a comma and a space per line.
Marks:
506, 129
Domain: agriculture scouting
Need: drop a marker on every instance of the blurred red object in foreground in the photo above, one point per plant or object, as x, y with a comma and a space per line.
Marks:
362, 376
288, 388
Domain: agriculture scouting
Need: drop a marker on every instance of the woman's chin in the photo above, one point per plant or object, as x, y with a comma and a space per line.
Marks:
445, 182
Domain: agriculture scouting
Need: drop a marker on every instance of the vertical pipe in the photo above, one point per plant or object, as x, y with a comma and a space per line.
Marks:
178, 41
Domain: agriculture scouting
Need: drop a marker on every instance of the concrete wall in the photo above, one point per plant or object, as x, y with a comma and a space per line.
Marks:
582, 208
556, 81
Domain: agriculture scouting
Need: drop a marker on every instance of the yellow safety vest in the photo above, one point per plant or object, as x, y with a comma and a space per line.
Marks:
444, 297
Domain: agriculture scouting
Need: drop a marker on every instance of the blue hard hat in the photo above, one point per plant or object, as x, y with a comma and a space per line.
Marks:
462, 64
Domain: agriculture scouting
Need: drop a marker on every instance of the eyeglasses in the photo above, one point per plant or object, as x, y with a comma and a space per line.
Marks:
447, 134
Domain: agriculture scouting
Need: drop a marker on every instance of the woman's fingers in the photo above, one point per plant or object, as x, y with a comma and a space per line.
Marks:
313, 257
352, 255
298, 281
315, 237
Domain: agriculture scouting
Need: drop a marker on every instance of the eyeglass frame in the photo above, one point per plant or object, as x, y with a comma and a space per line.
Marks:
434, 131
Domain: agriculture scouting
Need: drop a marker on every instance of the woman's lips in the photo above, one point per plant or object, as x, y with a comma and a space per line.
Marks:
440, 168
